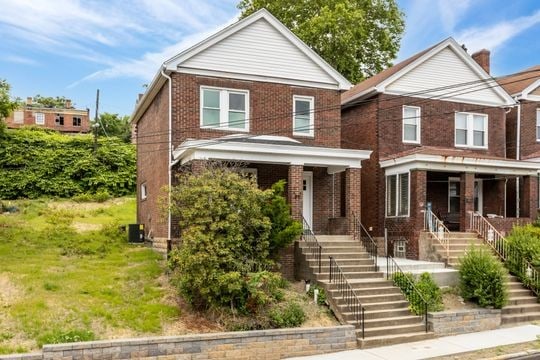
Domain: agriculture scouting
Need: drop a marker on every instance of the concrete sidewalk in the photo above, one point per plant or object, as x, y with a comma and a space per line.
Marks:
448, 345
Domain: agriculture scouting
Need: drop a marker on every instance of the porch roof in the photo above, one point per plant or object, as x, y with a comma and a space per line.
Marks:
455, 160
270, 150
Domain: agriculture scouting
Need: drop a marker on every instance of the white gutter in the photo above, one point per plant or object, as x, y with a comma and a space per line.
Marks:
169, 155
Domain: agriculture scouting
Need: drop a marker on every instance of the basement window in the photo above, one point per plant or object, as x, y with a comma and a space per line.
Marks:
59, 120
397, 195
77, 121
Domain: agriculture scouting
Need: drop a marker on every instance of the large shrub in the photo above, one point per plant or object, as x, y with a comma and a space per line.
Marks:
224, 256
36, 162
525, 240
482, 278
425, 286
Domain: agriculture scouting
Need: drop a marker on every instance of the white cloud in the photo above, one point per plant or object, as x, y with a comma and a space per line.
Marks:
451, 12
19, 60
493, 36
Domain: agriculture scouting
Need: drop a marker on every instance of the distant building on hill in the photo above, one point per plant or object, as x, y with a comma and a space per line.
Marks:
65, 119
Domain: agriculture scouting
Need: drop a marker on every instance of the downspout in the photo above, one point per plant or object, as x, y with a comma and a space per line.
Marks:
169, 155
518, 152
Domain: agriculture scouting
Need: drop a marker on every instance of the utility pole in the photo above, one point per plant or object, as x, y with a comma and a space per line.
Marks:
96, 125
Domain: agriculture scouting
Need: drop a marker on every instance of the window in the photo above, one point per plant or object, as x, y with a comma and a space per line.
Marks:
471, 130
411, 124
40, 118
76, 121
303, 116
59, 120
18, 117
144, 194
397, 195
224, 109
454, 193
537, 124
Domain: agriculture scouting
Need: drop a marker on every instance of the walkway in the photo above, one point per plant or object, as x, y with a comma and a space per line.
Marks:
448, 345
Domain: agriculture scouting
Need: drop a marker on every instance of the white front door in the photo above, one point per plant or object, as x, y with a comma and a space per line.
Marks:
307, 206
478, 196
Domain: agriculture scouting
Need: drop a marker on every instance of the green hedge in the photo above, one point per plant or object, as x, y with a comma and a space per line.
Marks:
36, 162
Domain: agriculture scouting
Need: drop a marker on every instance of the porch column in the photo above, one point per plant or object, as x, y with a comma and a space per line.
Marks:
529, 202
418, 194
295, 187
197, 166
352, 196
466, 200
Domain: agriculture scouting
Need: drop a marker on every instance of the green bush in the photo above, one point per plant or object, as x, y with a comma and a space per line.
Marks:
425, 286
60, 337
482, 278
525, 240
287, 316
38, 162
321, 298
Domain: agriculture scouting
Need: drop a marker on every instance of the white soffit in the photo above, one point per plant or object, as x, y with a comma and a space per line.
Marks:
258, 47
458, 164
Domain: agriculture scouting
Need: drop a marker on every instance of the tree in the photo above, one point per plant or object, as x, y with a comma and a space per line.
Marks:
50, 102
115, 125
6, 104
359, 38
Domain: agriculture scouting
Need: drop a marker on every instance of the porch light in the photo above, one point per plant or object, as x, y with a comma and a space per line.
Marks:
528, 272
490, 235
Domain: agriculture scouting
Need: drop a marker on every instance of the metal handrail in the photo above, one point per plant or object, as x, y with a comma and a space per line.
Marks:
512, 259
410, 292
438, 230
352, 301
367, 241
310, 239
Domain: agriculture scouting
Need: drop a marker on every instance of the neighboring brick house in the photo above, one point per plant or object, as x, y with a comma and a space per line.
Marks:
66, 119
266, 99
523, 121
436, 124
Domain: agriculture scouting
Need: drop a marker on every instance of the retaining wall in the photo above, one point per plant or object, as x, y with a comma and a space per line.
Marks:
464, 321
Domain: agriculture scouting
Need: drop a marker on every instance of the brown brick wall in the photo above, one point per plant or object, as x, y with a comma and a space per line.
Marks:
529, 145
50, 120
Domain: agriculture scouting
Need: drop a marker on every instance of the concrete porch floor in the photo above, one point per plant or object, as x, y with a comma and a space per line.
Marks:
443, 276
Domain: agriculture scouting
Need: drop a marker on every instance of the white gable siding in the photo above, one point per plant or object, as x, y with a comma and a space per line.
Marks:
259, 49
443, 69
535, 92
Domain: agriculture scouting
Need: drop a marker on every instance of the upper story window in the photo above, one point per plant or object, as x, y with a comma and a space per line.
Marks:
59, 120
18, 117
471, 130
397, 195
224, 109
40, 118
411, 124
303, 116
77, 121
537, 124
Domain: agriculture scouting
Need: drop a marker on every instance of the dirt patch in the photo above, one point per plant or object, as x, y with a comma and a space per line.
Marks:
85, 227
85, 206
10, 292
496, 352
452, 301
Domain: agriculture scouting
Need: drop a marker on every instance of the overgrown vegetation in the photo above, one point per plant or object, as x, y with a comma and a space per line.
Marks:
228, 245
525, 241
425, 286
37, 162
7, 105
482, 278
321, 297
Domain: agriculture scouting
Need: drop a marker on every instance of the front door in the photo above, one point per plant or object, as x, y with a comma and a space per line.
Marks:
307, 206
478, 196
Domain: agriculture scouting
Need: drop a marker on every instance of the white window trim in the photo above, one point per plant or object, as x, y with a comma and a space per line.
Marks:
18, 117
537, 123
451, 180
398, 193
418, 125
39, 114
224, 108
311, 100
470, 130
144, 191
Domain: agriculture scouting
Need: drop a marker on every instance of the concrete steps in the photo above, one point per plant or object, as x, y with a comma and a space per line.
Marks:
522, 304
458, 243
388, 319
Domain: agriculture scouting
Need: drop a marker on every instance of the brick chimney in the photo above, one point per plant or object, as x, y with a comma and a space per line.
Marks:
482, 58
68, 104
29, 100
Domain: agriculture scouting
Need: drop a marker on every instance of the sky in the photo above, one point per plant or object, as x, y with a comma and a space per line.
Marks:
72, 48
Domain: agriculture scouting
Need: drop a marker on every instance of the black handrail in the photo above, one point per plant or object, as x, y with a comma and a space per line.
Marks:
406, 285
360, 233
348, 294
314, 247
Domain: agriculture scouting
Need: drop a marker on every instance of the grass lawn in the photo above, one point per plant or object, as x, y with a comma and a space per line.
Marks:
67, 273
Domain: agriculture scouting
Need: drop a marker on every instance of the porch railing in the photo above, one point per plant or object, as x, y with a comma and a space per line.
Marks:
413, 295
360, 233
314, 248
438, 230
347, 293
512, 259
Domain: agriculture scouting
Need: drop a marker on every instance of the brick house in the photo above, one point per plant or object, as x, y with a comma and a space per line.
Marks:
66, 119
253, 92
436, 123
523, 121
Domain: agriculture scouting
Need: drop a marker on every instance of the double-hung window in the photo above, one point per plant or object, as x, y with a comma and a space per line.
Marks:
303, 116
471, 130
224, 109
537, 124
411, 124
397, 195
40, 118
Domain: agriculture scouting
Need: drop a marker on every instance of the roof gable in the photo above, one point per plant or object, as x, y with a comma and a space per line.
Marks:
522, 83
259, 47
444, 71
